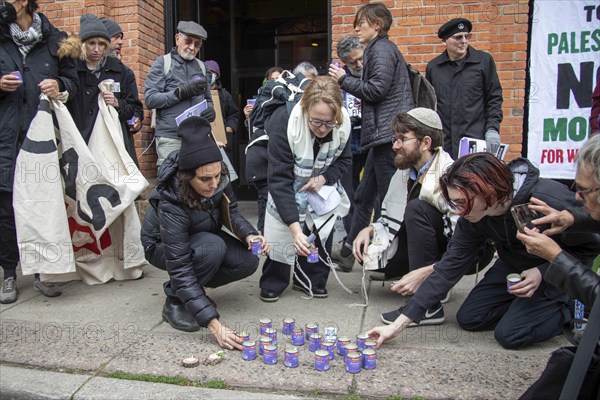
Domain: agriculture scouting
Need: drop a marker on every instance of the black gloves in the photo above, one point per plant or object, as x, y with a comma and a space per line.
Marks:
355, 121
191, 88
209, 114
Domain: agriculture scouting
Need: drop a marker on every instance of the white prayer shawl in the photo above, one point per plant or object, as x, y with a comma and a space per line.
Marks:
82, 222
301, 140
384, 242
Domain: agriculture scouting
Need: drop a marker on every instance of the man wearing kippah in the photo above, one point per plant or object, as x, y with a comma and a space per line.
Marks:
467, 87
415, 223
176, 82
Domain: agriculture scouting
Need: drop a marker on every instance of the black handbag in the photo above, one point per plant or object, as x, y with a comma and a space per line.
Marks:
572, 372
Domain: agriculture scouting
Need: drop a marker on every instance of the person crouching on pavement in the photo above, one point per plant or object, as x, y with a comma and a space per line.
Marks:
309, 148
193, 199
482, 189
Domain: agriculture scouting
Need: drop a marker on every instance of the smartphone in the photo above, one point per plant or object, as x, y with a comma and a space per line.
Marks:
523, 216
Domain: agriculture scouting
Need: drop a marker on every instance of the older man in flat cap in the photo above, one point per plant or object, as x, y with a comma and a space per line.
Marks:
467, 87
176, 82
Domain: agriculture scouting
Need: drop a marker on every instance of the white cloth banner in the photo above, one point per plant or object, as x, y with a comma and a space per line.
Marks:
565, 57
74, 203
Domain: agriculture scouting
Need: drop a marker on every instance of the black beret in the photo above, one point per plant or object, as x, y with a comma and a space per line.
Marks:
453, 26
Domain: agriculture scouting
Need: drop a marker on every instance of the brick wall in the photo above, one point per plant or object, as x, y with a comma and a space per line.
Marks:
143, 26
499, 27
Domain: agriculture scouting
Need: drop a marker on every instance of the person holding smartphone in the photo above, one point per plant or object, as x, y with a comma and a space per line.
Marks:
482, 189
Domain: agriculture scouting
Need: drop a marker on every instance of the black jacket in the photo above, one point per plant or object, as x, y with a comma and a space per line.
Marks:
469, 237
571, 275
469, 96
281, 166
384, 90
171, 222
18, 108
84, 106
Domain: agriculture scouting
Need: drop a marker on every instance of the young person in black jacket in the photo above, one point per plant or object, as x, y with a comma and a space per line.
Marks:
482, 191
193, 199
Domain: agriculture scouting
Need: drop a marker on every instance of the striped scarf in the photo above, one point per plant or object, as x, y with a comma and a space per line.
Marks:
26, 40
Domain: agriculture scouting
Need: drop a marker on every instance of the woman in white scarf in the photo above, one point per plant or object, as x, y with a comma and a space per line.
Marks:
308, 149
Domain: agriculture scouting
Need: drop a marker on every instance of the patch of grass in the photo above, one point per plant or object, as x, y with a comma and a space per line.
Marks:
216, 384
315, 393
351, 396
395, 397
172, 380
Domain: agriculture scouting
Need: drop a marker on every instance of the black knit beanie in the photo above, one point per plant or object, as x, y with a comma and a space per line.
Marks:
198, 147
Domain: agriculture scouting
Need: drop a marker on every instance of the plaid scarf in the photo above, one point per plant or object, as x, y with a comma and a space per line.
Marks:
26, 40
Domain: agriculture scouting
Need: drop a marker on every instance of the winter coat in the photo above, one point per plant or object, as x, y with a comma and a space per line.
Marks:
171, 222
84, 105
571, 275
159, 92
18, 108
469, 237
469, 96
384, 90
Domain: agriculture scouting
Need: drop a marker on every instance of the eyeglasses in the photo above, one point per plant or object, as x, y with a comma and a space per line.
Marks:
466, 36
317, 123
188, 41
582, 192
401, 140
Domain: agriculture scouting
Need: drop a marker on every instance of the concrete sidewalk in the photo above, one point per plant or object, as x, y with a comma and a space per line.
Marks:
71, 346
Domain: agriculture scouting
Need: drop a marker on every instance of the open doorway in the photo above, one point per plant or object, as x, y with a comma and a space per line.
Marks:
247, 37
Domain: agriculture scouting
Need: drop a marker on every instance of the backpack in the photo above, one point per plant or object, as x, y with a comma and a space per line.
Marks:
286, 89
167, 59
423, 90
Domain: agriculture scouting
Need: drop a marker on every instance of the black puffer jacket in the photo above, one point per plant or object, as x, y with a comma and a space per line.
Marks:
84, 106
384, 90
18, 108
468, 238
571, 275
171, 222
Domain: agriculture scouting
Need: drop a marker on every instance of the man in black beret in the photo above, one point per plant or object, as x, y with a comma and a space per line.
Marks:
467, 88
176, 82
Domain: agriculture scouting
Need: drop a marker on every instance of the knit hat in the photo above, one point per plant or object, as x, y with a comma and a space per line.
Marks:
91, 26
112, 27
454, 26
213, 66
427, 117
198, 147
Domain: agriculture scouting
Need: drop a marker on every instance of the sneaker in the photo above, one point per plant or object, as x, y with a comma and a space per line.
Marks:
380, 276
268, 296
345, 264
445, 299
8, 291
48, 289
435, 317
317, 293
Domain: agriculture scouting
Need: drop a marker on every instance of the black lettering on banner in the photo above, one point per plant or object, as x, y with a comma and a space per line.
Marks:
93, 195
567, 82
68, 168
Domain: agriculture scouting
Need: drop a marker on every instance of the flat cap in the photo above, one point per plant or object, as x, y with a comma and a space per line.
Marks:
454, 26
192, 28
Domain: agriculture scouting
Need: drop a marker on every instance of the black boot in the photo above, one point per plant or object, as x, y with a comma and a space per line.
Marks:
175, 313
